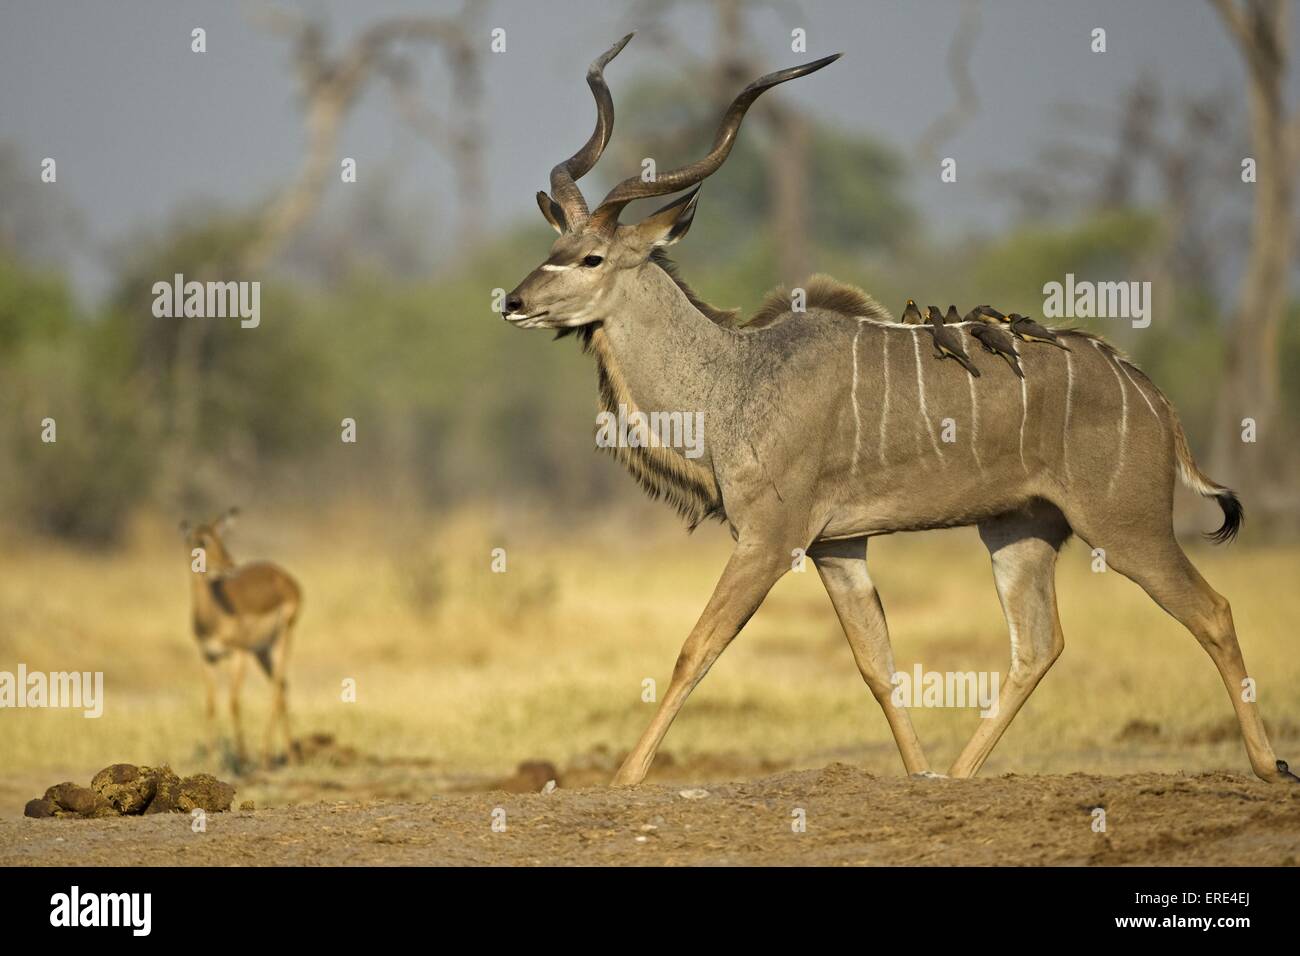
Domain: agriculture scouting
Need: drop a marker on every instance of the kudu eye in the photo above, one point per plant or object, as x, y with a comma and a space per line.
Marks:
590, 262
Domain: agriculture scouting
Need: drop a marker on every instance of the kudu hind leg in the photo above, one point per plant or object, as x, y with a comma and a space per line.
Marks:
843, 569
1157, 563
1023, 548
749, 575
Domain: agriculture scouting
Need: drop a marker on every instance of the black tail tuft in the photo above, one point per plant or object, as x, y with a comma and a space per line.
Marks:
1234, 516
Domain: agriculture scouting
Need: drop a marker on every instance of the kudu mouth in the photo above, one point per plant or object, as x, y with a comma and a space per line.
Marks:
525, 321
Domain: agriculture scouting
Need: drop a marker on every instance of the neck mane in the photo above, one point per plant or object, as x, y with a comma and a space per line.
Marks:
686, 484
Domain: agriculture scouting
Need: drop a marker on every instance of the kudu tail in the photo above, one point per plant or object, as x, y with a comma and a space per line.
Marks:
1201, 483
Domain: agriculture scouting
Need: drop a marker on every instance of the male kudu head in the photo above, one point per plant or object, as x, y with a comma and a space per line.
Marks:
595, 266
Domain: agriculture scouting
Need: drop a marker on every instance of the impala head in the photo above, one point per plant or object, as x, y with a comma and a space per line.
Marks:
208, 537
597, 262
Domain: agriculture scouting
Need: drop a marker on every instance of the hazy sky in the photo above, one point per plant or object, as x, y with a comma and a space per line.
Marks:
139, 125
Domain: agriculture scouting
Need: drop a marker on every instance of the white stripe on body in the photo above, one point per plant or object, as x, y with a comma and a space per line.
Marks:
853, 397
920, 390
1123, 422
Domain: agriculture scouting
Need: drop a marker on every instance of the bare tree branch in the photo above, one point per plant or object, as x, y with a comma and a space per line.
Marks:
945, 126
330, 87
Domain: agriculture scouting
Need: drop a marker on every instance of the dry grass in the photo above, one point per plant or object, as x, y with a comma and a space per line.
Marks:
481, 670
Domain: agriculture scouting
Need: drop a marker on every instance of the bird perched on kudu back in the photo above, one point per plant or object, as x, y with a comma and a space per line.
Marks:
1029, 330
951, 317
912, 315
982, 313
947, 342
997, 341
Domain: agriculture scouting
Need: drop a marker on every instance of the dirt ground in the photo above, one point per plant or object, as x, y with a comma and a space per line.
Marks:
459, 674
851, 817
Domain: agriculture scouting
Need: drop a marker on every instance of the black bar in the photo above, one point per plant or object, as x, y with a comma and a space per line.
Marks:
951, 906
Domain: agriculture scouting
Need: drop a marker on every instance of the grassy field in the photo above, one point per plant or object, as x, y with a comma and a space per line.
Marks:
479, 671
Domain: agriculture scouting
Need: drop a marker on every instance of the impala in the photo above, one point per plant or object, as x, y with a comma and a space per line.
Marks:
241, 611
821, 432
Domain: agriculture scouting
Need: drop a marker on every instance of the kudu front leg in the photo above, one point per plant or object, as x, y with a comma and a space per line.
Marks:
749, 575
843, 569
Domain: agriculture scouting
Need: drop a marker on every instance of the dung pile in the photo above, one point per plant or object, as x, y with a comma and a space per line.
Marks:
127, 790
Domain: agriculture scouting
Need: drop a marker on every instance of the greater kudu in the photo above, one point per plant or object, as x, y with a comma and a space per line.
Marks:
822, 430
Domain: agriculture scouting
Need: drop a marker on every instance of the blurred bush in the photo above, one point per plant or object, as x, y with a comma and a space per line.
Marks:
183, 415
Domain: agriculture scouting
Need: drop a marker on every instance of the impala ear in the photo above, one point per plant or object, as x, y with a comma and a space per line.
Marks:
552, 211
225, 521
665, 226
185, 528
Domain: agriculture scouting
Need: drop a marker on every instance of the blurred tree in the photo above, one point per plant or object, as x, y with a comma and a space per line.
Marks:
330, 85
219, 390
36, 224
1252, 382
55, 366
960, 50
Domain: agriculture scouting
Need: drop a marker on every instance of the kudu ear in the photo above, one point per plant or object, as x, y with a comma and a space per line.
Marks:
552, 211
665, 226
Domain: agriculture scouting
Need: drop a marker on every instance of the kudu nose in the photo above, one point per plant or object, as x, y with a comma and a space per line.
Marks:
514, 303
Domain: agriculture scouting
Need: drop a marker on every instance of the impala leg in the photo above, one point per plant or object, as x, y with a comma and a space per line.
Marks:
1157, 563
236, 683
749, 575
1023, 549
282, 693
843, 569
276, 666
211, 681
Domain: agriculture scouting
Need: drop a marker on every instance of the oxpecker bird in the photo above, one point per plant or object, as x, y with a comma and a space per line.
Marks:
984, 313
947, 342
995, 340
1029, 330
951, 317
912, 315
